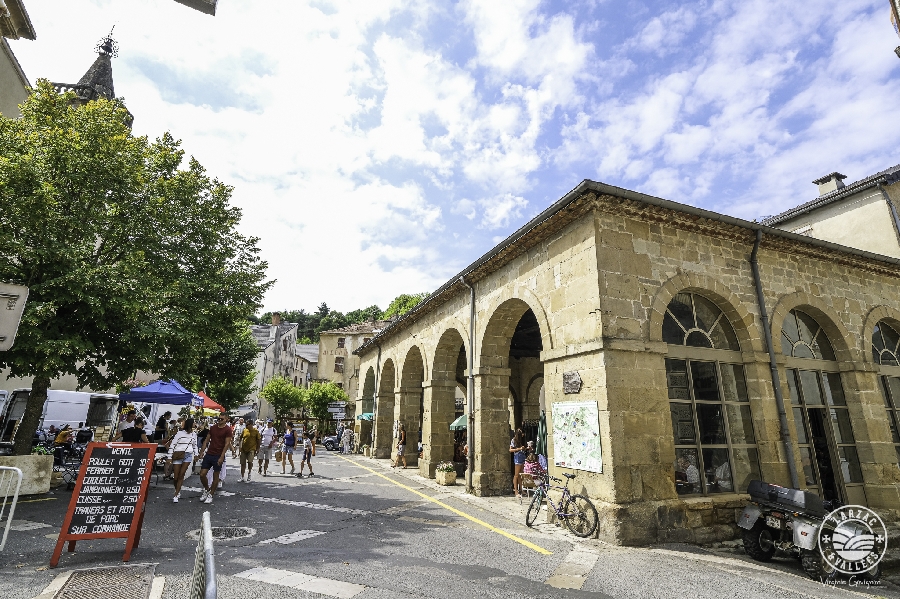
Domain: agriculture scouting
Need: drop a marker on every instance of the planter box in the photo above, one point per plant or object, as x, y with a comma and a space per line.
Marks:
445, 478
36, 472
367, 452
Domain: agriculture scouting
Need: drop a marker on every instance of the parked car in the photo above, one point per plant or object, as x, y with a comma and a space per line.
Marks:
331, 443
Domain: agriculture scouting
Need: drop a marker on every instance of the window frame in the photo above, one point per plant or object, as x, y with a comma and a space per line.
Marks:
341, 342
339, 364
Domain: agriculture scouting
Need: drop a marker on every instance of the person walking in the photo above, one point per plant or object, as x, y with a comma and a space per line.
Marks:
213, 454
249, 447
517, 448
183, 449
401, 446
346, 438
309, 450
266, 447
290, 442
238, 436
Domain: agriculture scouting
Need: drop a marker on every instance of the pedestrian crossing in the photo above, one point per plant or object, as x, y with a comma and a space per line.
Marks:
293, 537
304, 582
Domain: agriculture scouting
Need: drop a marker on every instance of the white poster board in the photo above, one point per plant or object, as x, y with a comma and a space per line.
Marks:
12, 304
576, 435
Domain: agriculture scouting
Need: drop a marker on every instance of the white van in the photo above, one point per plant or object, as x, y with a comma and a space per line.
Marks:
75, 408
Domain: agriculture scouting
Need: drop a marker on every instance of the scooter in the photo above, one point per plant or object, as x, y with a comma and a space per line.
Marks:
788, 520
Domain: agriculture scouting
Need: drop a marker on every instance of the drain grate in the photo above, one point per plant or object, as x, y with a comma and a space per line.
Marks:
120, 582
225, 533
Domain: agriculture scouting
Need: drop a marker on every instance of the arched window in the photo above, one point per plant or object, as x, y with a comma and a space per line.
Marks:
802, 337
885, 351
695, 321
715, 446
821, 417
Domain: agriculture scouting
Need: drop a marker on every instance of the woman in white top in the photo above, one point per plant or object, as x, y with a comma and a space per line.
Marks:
184, 440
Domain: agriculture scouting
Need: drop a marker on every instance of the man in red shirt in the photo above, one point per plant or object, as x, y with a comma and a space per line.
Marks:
213, 454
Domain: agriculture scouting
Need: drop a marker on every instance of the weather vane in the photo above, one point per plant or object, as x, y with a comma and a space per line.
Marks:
108, 45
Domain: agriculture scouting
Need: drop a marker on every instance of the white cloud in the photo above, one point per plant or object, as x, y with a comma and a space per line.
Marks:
499, 211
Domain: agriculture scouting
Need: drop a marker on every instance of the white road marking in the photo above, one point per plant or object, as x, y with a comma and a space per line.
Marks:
573, 571
294, 537
304, 582
402, 507
313, 506
22, 525
219, 492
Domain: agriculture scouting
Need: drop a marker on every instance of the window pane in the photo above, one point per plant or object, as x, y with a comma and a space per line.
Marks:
672, 332
712, 429
789, 329
877, 341
822, 347
787, 347
706, 312
723, 336
887, 358
718, 471
687, 472
850, 465
807, 326
808, 472
840, 421
894, 384
809, 384
746, 467
740, 425
834, 391
706, 383
676, 377
698, 339
733, 385
892, 421
680, 307
792, 386
800, 426
891, 338
683, 424
801, 350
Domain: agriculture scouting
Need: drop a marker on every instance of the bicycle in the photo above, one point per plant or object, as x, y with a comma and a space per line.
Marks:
577, 511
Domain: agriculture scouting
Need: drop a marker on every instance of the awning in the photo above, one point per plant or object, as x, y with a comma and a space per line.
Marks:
168, 392
366, 416
460, 424
208, 403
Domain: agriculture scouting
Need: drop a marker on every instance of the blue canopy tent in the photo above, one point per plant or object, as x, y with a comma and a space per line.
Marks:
168, 392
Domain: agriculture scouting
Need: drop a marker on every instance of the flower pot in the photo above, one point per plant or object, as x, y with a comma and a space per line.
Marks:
445, 478
36, 472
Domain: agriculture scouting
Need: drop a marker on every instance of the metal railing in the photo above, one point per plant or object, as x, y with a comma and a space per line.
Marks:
203, 579
8, 476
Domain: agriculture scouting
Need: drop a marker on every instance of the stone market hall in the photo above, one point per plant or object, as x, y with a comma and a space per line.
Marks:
689, 329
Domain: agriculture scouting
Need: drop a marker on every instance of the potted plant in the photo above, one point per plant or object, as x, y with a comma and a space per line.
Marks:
445, 474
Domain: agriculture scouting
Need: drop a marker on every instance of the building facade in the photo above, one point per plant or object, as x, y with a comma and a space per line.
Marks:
14, 24
648, 310
307, 368
277, 357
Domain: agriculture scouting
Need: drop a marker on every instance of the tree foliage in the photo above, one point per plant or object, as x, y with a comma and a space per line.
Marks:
133, 259
283, 396
404, 303
319, 395
228, 372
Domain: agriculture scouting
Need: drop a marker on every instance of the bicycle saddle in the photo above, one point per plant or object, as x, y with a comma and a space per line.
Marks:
569, 476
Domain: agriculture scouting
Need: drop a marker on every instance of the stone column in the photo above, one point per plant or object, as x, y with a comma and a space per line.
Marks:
437, 438
384, 424
493, 472
406, 411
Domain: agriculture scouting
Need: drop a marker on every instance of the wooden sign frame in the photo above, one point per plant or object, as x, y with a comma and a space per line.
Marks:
133, 534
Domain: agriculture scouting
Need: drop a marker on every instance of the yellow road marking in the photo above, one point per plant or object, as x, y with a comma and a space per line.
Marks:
33, 500
454, 510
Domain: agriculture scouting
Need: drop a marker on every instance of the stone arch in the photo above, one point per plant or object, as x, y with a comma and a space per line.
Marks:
408, 400
508, 297
875, 316
831, 323
439, 402
446, 354
368, 388
742, 321
501, 324
388, 377
384, 409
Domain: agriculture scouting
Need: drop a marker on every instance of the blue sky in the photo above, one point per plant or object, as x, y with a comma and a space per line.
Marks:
378, 147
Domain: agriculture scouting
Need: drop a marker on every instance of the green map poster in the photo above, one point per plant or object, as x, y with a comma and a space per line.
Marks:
576, 436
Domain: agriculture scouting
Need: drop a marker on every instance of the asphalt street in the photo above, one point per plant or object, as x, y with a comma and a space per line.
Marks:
360, 529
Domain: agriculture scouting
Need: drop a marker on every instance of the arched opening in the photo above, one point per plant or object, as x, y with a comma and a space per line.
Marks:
408, 400
365, 410
384, 410
886, 353
441, 404
712, 427
511, 353
821, 416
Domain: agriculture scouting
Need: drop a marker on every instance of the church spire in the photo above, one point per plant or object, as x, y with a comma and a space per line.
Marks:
99, 77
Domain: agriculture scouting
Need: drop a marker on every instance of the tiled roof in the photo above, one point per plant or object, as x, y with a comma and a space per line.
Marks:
261, 333
890, 175
310, 353
370, 326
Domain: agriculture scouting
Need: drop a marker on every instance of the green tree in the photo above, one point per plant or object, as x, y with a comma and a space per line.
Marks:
229, 370
319, 395
404, 303
283, 396
134, 262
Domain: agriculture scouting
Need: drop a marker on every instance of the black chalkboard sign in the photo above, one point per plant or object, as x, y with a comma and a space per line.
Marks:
108, 501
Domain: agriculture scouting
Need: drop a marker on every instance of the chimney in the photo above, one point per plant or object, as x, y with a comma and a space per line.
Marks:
829, 183
276, 318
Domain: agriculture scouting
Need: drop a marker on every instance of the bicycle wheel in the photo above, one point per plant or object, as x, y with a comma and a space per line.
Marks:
534, 508
581, 516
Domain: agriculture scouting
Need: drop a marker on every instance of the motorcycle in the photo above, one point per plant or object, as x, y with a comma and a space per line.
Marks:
788, 520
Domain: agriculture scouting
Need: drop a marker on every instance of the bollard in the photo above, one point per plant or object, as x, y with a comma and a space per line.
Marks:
203, 578
8, 476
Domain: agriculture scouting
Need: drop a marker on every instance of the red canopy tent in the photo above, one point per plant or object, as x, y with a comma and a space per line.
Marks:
208, 403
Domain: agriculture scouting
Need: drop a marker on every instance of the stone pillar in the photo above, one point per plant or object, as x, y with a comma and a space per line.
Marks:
406, 411
437, 438
384, 424
493, 472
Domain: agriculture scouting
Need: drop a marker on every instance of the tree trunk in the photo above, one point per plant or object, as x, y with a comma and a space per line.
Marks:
32, 416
